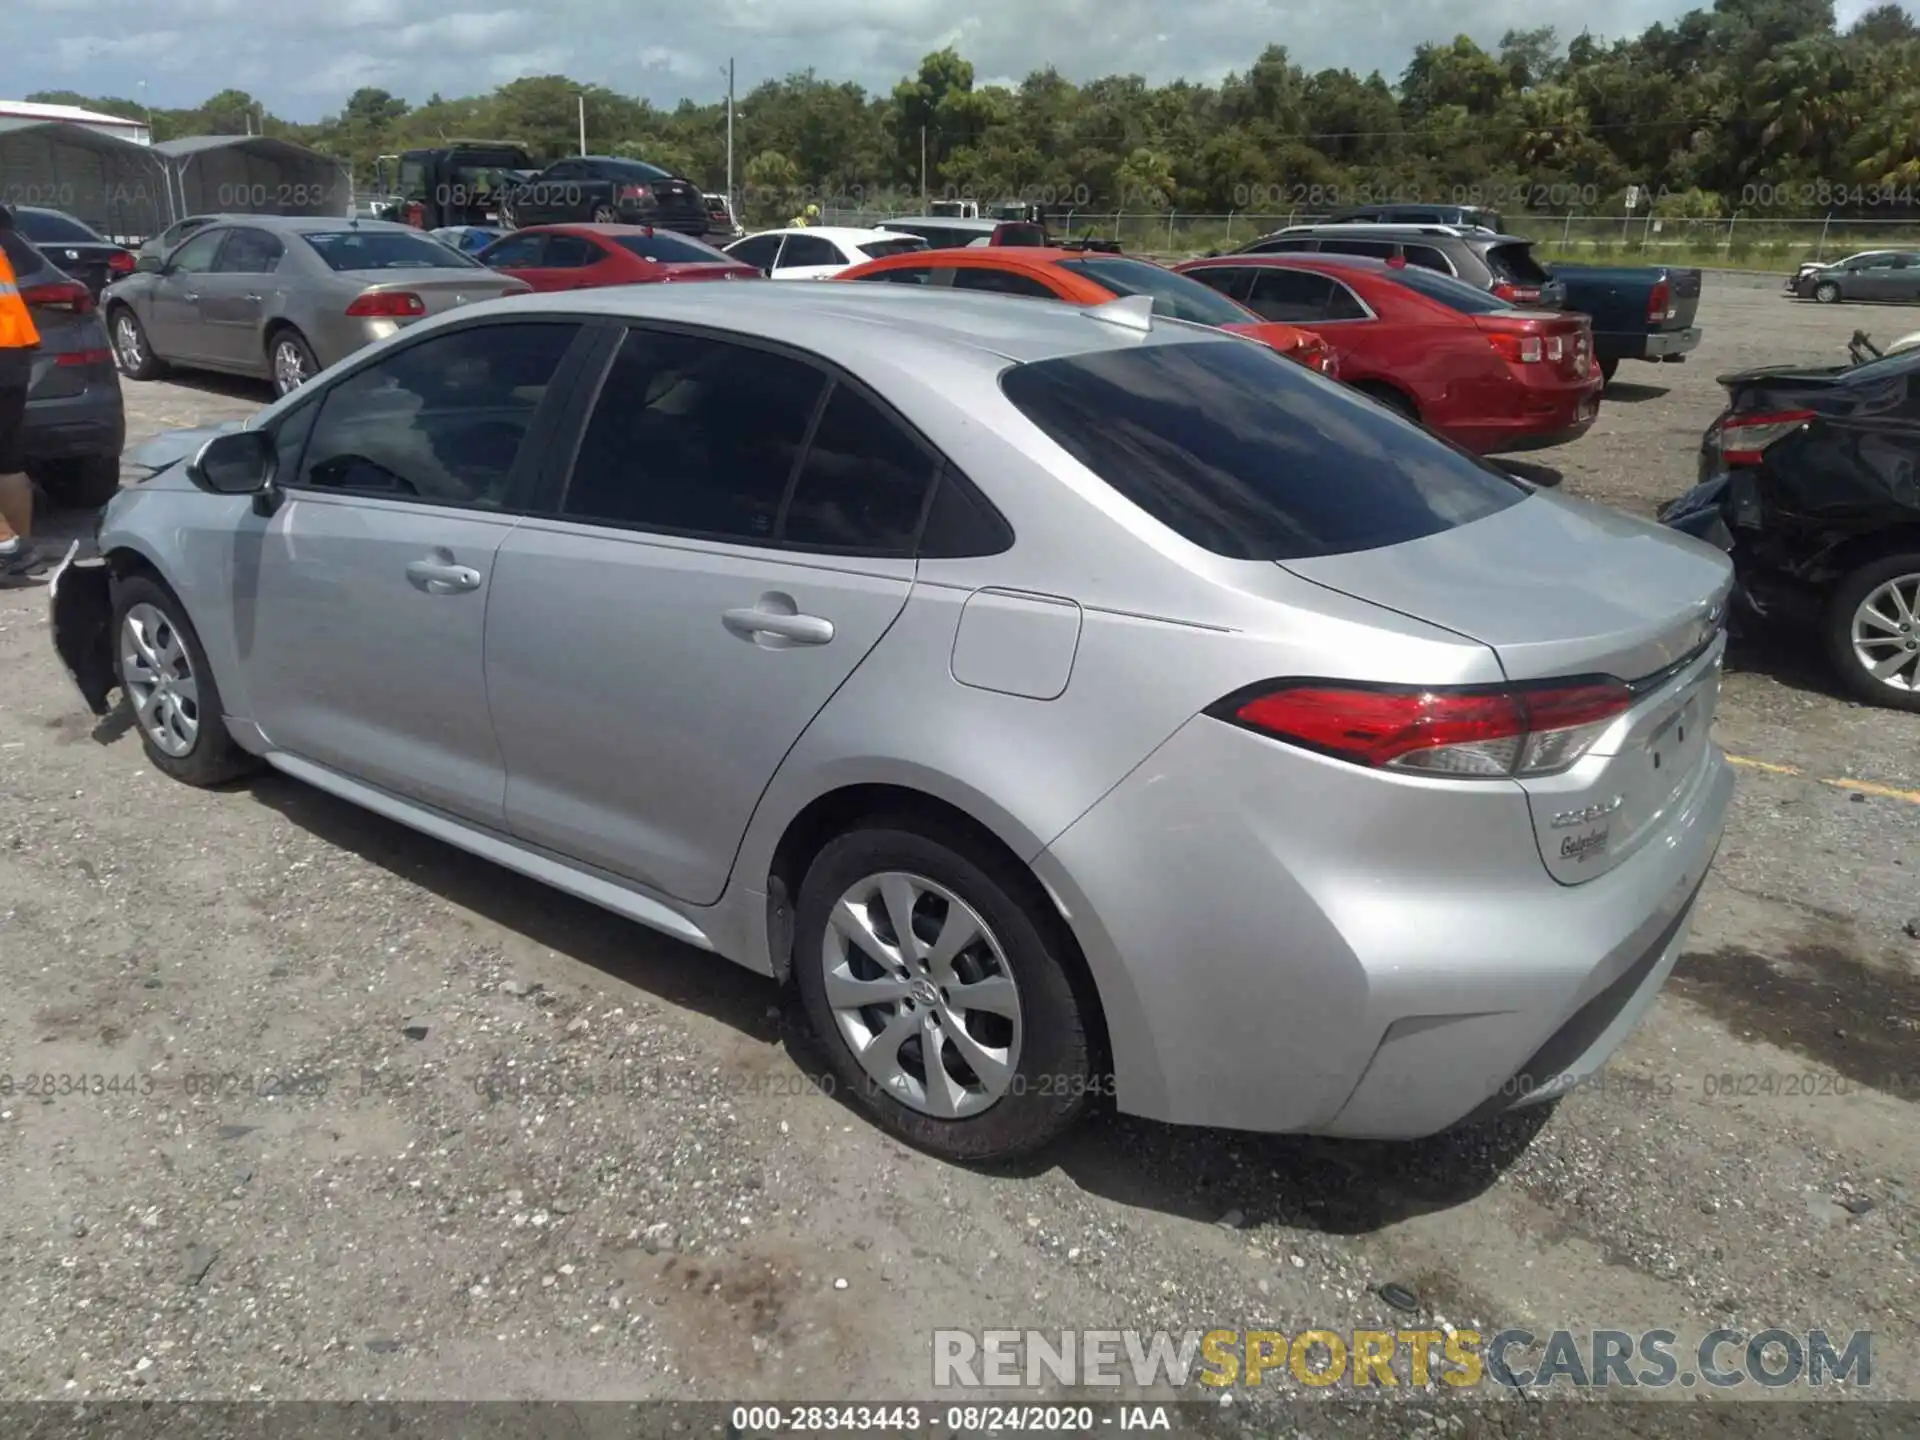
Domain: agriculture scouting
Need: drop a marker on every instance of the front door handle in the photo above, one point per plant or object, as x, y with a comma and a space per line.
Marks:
752, 621
440, 578
191, 295
254, 298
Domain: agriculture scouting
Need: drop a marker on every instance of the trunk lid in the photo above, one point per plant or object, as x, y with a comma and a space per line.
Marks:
439, 290
1559, 588
680, 203
1570, 359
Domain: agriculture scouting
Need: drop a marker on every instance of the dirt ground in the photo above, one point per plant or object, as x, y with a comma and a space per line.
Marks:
387, 1121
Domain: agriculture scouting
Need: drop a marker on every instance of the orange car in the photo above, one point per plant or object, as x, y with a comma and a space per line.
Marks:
1090, 278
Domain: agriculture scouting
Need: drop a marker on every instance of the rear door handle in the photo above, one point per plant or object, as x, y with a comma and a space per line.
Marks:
799, 629
440, 578
191, 295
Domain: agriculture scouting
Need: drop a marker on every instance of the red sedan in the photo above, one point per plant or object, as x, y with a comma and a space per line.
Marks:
585, 257
1486, 374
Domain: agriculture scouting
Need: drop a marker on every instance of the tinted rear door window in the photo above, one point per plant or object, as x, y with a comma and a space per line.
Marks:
803, 250
1297, 297
1250, 456
864, 481
1378, 249
1000, 282
695, 436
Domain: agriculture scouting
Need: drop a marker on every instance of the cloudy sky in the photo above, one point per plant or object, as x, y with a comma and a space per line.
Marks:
303, 58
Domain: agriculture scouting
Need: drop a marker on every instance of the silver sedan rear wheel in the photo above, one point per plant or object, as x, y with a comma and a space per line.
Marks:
1886, 633
128, 340
293, 364
923, 995
160, 683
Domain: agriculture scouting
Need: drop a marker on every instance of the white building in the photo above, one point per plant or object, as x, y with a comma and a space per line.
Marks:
114, 125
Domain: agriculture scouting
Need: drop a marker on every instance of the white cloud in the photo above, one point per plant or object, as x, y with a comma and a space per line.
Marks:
304, 59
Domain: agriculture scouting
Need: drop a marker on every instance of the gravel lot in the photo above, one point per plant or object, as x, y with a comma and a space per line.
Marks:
478, 1140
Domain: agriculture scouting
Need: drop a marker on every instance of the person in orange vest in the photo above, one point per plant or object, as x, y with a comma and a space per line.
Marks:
18, 340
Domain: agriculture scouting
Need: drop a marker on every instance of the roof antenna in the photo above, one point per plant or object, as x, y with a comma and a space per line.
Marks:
1129, 312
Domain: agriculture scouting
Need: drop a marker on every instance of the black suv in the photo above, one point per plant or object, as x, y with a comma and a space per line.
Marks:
1503, 264
607, 190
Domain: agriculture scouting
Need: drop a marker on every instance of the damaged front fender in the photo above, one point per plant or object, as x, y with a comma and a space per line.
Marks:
80, 595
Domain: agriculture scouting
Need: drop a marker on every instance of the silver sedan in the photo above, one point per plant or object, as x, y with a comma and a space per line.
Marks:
282, 298
1070, 702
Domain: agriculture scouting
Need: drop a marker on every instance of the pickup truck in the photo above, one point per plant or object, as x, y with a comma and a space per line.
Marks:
1639, 312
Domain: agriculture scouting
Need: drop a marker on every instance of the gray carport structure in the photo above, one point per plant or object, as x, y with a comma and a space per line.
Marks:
255, 174
121, 189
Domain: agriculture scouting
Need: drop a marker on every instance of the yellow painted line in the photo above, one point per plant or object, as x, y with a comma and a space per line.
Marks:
1765, 765
1868, 787
1861, 787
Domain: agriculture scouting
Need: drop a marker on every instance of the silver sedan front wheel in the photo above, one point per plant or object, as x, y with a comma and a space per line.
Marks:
128, 340
923, 995
1886, 633
159, 680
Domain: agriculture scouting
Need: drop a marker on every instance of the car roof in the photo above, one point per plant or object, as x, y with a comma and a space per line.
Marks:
1298, 260
951, 222
848, 234
318, 224
1411, 230
849, 324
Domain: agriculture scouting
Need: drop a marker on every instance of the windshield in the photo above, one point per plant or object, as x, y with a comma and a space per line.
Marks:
664, 249
1252, 456
1177, 297
384, 250
45, 227
880, 249
1454, 294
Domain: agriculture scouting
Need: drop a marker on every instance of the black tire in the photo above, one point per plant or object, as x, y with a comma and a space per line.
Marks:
1836, 633
143, 364
1395, 400
289, 340
80, 484
212, 758
1827, 293
1054, 1077
1608, 369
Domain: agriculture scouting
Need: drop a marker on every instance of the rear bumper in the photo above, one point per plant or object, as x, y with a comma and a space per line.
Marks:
75, 427
1671, 344
1545, 416
1395, 964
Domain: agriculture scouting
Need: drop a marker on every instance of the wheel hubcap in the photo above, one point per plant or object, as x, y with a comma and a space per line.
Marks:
922, 993
289, 366
159, 680
127, 335
603, 216
1886, 633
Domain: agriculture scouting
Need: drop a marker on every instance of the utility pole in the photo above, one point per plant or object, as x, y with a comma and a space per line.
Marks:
731, 210
583, 122
923, 169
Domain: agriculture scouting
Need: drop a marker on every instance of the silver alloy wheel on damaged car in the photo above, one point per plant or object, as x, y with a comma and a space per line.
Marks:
292, 365
605, 215
159, 680
1886, 633
922, 993
1826, 292
128, 342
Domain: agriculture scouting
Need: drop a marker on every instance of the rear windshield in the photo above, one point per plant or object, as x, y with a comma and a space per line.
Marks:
637, 169
1251, 456
1454, 294
1177, 297
668, 249
880, 249
46, 228
383, 250
1020, 233
1515, 262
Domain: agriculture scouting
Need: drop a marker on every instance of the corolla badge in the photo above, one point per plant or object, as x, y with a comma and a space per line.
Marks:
1567, 819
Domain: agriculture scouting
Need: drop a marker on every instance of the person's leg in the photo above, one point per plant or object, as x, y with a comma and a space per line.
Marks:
17, 554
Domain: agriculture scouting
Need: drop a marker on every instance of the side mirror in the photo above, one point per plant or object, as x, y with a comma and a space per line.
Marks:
241, 462
149, 265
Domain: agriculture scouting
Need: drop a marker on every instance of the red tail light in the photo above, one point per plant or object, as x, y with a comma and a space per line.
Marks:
635, 192
1744, 438
63, 295
121, 262
85, 357
1517, 294
1467, 734
388, 304
1517, 348
1660, 303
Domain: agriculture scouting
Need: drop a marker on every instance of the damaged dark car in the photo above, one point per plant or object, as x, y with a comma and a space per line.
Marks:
1810, 480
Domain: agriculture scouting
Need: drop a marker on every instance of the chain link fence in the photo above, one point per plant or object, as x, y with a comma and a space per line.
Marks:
1739, 242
